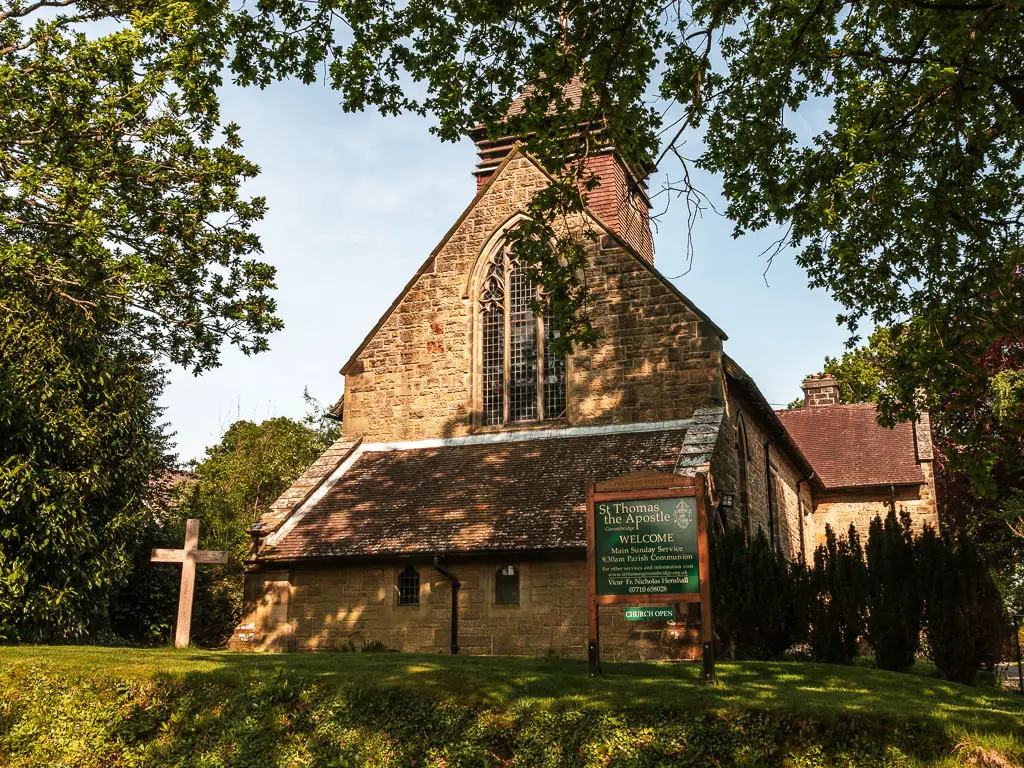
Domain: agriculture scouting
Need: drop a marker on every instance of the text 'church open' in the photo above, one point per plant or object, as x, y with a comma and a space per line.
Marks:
468, 445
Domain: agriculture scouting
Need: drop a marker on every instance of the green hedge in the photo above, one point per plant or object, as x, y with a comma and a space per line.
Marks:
270, 715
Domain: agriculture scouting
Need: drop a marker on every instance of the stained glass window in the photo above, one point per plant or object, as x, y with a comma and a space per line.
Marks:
518, 383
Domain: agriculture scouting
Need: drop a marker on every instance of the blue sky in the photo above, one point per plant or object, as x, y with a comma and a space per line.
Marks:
356, 204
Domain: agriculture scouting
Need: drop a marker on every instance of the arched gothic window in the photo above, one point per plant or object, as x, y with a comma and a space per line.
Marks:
522, 380
409, 587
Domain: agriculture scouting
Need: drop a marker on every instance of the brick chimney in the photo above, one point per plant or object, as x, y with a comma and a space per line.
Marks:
820, 390
620, 199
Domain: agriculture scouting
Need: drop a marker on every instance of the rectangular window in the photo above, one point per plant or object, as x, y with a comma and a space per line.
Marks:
506, 585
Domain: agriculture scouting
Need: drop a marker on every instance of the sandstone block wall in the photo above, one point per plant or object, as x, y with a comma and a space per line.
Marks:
749, 485
859, 506
347, 607
657, 359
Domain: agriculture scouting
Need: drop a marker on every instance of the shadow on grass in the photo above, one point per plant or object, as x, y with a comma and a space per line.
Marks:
213, 709
796, 687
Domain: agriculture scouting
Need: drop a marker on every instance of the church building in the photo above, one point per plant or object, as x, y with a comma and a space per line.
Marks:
452, 511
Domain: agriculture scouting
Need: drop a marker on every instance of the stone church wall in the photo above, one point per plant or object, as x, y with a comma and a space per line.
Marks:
657, 359
345, 608
748, 483
859, 506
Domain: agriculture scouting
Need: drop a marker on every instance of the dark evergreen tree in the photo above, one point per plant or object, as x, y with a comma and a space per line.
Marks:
963, 612
839, 596
894, 599
759, 598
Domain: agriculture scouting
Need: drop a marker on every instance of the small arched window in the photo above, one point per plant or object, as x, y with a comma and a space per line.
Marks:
522, 379
506, 585
409, 587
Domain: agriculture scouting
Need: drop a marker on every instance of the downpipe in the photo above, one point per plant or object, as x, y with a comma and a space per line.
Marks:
456, 584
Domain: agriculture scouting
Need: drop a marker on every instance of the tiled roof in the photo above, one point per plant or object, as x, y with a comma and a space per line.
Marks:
526, 495
572, 93
305, 484
847, 447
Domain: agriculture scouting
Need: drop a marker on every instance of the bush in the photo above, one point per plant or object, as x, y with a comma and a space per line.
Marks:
963, 613
839, 595
759, 598
894, 598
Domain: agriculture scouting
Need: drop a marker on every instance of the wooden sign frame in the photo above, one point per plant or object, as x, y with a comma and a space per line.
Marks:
642, 487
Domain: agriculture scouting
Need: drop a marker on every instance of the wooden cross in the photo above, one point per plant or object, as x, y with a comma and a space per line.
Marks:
188, 557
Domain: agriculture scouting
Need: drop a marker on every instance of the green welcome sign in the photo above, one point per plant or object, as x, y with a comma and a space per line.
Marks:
647, 550
646, 547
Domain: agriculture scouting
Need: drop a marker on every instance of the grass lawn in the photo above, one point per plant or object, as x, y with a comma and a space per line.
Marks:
931, 722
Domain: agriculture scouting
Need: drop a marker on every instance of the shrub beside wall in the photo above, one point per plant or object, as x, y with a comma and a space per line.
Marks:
839, 582
963, 613
886, 593
759, 598
894, 593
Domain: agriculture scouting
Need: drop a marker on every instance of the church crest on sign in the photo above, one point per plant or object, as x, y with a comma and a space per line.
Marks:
683, 515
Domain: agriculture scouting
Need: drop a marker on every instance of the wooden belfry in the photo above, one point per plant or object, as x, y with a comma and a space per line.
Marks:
188, 557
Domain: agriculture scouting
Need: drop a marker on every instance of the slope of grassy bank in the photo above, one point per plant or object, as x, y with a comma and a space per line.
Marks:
65, 706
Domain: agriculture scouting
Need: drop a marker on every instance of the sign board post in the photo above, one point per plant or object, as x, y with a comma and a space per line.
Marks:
647, 546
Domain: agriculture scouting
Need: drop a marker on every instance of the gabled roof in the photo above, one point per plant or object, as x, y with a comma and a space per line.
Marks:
849, 449
428, 265
464, 495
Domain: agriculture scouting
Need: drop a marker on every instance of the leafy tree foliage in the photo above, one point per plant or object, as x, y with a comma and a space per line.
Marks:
894, 594
124, 241
906, 206
242, 475
79, 438
121, 188
978, 422
239, 478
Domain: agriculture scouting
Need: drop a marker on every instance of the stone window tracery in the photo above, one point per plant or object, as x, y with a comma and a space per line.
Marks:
522, 380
